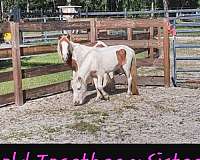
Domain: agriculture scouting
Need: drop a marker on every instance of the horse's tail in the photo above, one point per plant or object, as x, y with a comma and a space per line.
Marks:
134, 76
100, 43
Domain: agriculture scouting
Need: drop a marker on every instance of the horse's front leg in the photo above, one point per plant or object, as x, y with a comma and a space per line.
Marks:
73, 74
105, 80
100, 87
99, 95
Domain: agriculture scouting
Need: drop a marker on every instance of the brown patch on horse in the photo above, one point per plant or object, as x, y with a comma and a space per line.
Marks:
93, 74
121, 57
74, 65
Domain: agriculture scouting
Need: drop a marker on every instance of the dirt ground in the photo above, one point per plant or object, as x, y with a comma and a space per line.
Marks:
157, 115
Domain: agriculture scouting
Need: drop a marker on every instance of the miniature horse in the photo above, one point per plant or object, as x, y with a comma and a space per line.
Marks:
100, 61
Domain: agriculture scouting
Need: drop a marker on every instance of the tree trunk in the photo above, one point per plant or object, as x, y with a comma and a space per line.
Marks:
152, 9
165, 5
54, 5
2, 9
27, 6
105, 5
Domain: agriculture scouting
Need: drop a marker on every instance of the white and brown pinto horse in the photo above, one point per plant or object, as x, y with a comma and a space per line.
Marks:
74, 54
100, 61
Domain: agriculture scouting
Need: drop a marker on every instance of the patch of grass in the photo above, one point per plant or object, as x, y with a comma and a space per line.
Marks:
8, 87
104, 114
119, 111
131, 107
161, 107
100, 121
197, 119
78, 115
15, 135
141, 55
85, 127
32, 61
52, 129
150, 71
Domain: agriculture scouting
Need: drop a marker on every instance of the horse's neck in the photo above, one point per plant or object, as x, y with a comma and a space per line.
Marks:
85, 68
79, 52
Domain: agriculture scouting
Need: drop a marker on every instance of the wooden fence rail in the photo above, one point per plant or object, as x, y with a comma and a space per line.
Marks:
36, 92
29, 50
20, 95
36, 71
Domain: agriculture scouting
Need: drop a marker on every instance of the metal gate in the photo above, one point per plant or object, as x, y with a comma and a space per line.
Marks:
186, 50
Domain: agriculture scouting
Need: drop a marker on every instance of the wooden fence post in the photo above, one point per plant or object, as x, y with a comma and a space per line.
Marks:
129, 33
166, 50
134, 87
151, 38
93, 30
159, 40
17, 75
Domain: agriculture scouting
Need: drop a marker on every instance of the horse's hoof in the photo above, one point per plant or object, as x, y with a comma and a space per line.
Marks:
106, 97
128, 95
98, 98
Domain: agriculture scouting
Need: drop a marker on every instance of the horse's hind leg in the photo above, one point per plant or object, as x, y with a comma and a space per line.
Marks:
129, 78
100, 87
109, 81
112, 81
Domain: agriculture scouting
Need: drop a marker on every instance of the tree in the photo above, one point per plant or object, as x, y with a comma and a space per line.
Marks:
2, 10
165, 4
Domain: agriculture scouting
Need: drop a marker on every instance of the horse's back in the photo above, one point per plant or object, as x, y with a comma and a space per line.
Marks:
114, 49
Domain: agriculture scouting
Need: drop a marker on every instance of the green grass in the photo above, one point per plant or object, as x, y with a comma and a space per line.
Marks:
142, 55
85, 127
34, 61
28, 83
30, 62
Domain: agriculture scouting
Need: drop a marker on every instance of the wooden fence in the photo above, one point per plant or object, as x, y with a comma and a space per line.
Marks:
20, 96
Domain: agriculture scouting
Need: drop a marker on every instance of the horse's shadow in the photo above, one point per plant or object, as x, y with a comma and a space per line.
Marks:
93, 95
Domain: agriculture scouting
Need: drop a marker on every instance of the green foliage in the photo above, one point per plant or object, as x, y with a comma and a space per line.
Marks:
101, 5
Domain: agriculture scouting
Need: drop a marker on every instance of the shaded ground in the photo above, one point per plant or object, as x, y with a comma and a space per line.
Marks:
158, 115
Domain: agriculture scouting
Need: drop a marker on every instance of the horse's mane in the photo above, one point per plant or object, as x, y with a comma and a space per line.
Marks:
58, 49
